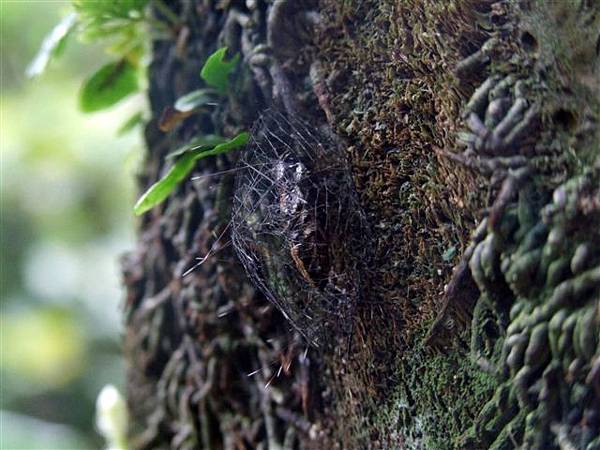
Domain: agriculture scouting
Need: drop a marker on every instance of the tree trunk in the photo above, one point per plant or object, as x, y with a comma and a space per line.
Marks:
470, 130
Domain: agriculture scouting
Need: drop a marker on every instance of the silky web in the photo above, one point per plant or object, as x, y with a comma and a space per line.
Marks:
295, 223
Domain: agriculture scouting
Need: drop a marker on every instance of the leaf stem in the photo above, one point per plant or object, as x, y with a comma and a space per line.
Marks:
167, 12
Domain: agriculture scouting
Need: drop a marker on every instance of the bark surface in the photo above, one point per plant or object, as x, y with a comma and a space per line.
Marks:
470, 130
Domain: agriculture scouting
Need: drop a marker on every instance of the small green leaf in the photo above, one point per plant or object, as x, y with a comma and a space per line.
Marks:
160, 190
52, 46
216, 70
199, 143
238, 141
195, 99
133, 121
113, 82
449, 254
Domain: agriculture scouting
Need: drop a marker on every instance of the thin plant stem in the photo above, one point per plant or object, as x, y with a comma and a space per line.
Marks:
167, 12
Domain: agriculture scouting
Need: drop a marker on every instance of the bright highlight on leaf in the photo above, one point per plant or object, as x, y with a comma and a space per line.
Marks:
52, 46
195, 99
112, 83
216, 70
160, 190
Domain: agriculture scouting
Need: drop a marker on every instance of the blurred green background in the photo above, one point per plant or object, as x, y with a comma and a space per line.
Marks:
66, 217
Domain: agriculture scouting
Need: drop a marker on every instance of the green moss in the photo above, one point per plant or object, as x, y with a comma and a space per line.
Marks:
445, 393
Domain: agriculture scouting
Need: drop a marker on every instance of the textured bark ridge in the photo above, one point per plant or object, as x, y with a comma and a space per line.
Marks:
470, 129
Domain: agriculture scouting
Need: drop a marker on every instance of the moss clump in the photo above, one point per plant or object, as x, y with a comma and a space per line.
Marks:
397, 101
550, 348
404, 78
436, 399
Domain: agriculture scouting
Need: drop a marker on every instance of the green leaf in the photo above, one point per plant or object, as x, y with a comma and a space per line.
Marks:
216, 70
133, 121
108, 86
200, 143
195, 99
52, 46
238, 141
160, 190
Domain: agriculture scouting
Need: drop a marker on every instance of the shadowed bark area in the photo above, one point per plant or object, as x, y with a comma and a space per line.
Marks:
470, 129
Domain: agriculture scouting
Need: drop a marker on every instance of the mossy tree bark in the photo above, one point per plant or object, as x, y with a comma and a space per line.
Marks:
471, 130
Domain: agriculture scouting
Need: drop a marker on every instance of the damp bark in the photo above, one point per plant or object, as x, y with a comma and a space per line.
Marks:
470, 129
